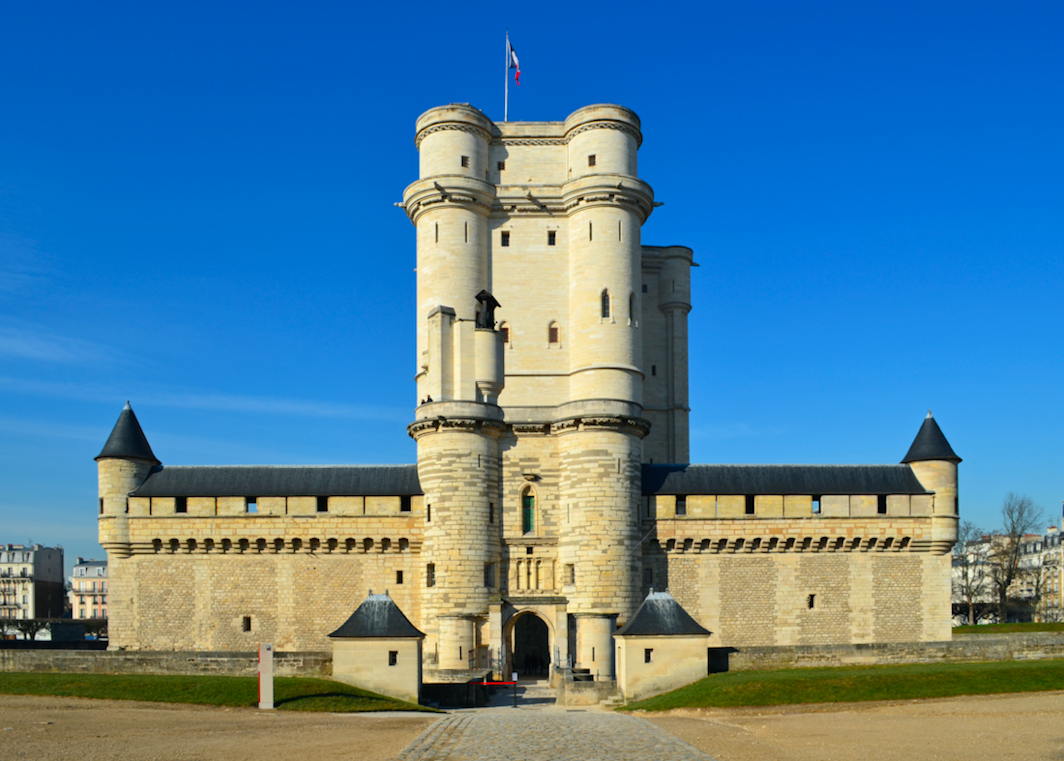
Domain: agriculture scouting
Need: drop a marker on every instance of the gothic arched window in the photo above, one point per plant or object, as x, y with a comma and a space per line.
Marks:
605, 304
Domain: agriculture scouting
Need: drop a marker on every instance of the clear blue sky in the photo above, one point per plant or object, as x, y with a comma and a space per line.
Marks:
196, 215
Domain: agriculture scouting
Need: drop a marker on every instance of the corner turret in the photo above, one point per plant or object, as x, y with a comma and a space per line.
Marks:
123, 464
934, 463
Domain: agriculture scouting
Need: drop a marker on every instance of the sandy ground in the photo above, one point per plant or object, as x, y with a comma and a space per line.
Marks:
965, 729
78, 729
1027, 726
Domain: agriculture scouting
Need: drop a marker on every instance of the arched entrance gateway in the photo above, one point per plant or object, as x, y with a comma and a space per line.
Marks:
528, 645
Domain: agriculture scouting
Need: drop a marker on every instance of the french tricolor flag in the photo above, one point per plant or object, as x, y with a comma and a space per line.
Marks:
511, 57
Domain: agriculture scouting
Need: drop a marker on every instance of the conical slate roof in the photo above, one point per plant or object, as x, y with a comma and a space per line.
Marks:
660, 615
378, 616
127, 440
930, 444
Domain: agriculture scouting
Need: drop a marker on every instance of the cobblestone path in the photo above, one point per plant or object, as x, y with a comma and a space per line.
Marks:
550, 734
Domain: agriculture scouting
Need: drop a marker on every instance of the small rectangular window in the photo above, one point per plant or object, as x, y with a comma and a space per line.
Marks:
491, 512
505, 242
644, 289
252, 505
591, 160
590, 231
489, 575
552, 237
428, 513
570, 574
750, 504
393, 657
430, 575
681, 505
398, 577
323, 504
881, 507
247, 623
816, 505
465, 161
502, 166
101, 505
181, 504
653, 369
404, 504
528, 550
648, 655
552, 334
810, 602
505, 331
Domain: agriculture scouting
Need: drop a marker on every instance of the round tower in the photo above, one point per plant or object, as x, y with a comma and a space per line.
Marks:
122, 466
459, 377
600, 433
934, 463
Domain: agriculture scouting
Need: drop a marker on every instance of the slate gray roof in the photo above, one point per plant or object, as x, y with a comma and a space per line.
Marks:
127, 440
780, 479
660, 615
281, 481
378, 616
930, 444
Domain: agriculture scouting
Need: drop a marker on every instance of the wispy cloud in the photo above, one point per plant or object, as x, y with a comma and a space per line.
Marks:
22, 265
239, 403
30, 343
730, 431
275, 406
15, 427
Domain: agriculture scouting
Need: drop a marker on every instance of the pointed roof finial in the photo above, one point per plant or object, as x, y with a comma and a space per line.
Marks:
127, 440
930, 444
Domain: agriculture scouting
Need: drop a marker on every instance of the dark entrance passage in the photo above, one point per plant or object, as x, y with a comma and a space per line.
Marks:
531, 646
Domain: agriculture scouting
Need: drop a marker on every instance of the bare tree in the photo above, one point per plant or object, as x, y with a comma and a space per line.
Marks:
29, 628
971, 573
1019, 516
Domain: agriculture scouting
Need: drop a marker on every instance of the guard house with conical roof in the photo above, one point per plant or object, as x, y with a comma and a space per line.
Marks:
552, 488
378, 649
660, 649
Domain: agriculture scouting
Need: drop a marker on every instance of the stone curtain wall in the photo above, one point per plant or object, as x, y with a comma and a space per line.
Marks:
198, 602
762, 600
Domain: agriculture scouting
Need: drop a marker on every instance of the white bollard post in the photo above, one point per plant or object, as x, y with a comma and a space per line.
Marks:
265, 675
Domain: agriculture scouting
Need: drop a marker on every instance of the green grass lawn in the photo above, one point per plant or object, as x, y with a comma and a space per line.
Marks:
290, 693
1007, 628
852, 684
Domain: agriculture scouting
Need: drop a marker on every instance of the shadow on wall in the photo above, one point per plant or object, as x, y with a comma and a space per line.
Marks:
718, 659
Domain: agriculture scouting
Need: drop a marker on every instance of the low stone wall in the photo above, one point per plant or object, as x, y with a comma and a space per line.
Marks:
963, 648
156, 662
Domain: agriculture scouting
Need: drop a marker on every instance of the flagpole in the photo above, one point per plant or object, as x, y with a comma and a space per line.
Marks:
506, 73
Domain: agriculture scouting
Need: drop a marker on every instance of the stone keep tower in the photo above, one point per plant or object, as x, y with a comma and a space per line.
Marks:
529, 257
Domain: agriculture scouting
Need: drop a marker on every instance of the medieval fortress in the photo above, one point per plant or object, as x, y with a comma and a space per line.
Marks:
551, 491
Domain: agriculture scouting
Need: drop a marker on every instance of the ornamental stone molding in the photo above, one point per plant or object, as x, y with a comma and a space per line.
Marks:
619, 126
519, 141
455, 424
631, 426
449, 127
